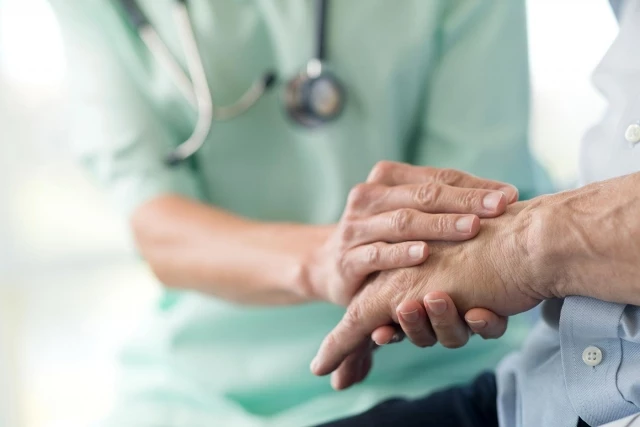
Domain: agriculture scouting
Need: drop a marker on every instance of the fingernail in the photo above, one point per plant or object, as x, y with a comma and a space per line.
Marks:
492, 200
397, 337
511, 190
410, 316
465, 223
416, 251
477, 324
437, 306
314, 364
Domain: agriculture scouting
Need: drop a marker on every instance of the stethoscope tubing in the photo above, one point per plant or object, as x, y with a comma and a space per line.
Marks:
195, 87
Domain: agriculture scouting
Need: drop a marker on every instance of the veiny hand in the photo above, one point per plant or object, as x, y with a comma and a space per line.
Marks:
436, 319
424, 330
489, 272
388, 218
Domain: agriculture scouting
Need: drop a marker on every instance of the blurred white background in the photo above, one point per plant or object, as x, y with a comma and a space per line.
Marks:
70, 289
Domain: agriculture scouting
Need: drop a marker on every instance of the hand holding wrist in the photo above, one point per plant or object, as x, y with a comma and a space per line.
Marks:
388, 219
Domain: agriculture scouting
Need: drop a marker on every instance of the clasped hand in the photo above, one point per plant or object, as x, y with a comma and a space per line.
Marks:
375, 262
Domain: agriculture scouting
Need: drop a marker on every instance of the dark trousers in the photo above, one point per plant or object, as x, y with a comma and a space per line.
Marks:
471, 405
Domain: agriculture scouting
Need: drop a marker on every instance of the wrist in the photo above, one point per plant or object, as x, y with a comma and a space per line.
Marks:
584, 238
542, 249
304, 280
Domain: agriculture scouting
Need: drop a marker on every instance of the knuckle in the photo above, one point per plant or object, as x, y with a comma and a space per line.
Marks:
347, 231
470, 199
448, 176
380, 171
429, 173
396, 253
401, 219
427, 194
372, 255
352, 317
441, 224
358, 197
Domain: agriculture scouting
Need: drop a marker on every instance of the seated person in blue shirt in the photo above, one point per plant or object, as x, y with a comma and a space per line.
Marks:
576, 252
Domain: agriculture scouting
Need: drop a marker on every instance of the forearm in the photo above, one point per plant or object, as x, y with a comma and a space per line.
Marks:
587, 241
193, 246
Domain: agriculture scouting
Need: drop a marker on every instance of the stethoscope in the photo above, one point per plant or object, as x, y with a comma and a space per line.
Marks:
313, 97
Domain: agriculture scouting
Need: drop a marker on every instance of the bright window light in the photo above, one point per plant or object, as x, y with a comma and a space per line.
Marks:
31, 48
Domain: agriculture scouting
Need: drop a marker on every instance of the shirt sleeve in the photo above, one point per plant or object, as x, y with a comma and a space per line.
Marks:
631, 421
115, 130
477, 104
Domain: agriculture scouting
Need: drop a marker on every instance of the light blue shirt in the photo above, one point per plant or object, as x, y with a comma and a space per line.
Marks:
551, 381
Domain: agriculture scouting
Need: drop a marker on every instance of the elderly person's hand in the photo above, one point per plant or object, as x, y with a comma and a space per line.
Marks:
424, 328
491, 271
388, 219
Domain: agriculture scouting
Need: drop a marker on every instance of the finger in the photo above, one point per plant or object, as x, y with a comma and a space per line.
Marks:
363, 369
353, 330
410, 225
348, 373
415, 324
486, 323
363, 260
430, 197
393, 173
388, 334
351, 370
367, 364
450, 329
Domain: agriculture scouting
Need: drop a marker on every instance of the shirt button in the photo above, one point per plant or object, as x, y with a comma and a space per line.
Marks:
592, 356
632, 134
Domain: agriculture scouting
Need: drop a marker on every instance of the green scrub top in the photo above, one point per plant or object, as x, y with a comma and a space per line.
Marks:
430, 82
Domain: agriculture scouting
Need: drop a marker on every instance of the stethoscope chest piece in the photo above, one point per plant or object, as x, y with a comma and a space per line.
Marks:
314, 96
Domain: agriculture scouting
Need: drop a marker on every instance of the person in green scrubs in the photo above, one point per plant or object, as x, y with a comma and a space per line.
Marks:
243, 235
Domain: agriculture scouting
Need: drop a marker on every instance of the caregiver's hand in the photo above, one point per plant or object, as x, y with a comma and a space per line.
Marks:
491, 271
388, 218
